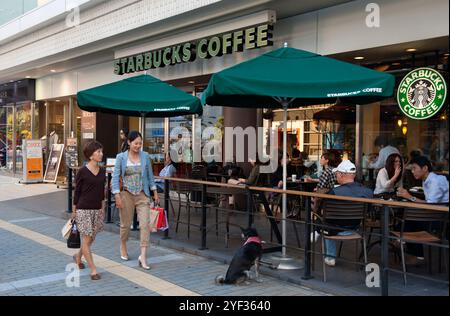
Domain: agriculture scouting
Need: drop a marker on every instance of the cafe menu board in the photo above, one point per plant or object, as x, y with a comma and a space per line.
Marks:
32, 161
54, 160
72, 153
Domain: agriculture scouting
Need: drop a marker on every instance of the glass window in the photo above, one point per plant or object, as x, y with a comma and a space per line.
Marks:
6, 132
154, 138
23, 130
180, 131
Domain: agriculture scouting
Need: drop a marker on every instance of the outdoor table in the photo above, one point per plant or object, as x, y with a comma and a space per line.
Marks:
219, 175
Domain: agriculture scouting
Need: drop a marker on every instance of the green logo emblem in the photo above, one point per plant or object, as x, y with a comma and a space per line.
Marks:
421, 93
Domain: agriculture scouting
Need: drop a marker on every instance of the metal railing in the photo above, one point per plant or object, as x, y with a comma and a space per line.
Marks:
251, 191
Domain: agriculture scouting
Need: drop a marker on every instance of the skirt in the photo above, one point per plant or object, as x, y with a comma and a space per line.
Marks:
89, 222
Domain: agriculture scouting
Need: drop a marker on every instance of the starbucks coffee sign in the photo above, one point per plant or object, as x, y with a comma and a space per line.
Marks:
227, 43
421, 93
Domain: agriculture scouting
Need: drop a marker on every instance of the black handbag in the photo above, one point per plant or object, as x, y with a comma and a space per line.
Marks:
74, 238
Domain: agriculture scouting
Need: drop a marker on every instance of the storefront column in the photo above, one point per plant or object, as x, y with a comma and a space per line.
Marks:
359, 140
70, 118
14, 137
166, 135
240, 117
33, 120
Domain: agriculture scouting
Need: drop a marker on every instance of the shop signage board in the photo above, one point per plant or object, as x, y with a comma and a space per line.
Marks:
72, 153
205, 48
421, 93
54, 160
32, 161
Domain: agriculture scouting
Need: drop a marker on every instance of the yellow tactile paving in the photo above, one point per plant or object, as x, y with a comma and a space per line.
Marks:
140, 278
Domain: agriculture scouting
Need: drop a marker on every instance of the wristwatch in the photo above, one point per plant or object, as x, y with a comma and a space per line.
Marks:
413, 199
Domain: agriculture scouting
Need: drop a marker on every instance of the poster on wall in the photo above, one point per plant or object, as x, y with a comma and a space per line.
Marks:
72, 153
32, 161
54, 160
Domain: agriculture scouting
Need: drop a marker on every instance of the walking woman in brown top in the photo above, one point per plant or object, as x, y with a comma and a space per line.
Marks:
89, 203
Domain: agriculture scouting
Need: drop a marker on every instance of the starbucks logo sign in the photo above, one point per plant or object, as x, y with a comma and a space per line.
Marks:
421, 93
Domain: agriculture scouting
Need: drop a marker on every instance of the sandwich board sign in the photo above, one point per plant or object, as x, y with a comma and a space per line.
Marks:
54, 160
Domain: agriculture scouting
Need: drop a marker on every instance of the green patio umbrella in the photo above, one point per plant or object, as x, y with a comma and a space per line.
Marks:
143, 96
288, 77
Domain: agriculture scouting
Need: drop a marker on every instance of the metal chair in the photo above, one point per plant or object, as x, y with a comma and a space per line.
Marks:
343, 211
427, 217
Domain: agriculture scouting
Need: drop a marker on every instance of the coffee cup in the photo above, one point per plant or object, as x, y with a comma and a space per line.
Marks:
294, 177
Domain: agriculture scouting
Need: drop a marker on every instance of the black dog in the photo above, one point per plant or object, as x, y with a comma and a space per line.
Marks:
247, 256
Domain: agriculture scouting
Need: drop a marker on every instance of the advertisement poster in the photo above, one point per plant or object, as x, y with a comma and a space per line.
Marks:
32, 161
72, 153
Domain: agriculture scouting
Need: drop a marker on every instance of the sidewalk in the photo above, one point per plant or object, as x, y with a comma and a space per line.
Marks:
35, 257
344, 279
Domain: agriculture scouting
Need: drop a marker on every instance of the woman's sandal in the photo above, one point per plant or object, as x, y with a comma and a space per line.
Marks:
80, 265
95, 277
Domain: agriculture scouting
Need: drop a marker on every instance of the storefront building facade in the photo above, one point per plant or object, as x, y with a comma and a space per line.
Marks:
185, 42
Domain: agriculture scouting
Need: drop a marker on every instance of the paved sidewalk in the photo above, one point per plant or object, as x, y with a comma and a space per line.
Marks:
34, 259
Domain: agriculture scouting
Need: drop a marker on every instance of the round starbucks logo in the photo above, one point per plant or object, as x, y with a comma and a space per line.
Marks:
421, 93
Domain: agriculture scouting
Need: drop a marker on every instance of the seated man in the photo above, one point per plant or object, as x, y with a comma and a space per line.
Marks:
345, 176
435, 188
169, 170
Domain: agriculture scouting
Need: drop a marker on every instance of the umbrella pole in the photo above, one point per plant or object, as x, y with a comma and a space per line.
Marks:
286, 263
284, 205
142, 128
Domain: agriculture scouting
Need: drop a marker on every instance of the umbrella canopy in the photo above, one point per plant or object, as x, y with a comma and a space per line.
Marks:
142, 95
292, 73
289, 77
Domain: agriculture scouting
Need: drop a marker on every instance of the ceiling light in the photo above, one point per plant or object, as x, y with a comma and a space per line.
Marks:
396, 64
28, 77
52, 70
411, 50
359, 57
58, 100
191, 81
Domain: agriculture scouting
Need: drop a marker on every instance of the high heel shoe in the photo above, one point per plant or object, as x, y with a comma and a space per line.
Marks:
80, 265
124, 258
141, 265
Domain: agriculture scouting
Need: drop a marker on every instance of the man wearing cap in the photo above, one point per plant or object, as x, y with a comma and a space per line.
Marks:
345, 176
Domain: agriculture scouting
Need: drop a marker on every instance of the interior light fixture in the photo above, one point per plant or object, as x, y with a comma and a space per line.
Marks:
358, 57
411, 50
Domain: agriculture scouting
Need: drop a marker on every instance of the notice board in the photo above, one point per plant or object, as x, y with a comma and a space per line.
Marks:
54, 160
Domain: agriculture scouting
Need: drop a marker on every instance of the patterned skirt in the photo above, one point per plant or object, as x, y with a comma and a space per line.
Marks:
89, 222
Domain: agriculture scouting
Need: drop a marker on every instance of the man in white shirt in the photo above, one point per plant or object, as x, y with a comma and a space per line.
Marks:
435, 187
385, 151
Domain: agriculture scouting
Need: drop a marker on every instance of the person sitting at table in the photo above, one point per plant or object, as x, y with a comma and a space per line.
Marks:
253, 177
169, 170
329, 160
345, 176
435, 188
390, 177
385, 151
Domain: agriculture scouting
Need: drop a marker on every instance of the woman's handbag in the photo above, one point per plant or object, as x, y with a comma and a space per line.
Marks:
74, 238
67, 228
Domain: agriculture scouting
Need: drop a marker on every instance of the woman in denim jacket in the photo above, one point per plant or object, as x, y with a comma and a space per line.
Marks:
135, 169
